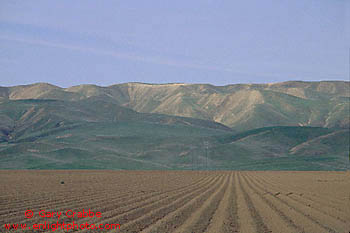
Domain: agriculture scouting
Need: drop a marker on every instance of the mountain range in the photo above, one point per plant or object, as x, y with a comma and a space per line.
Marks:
292, 125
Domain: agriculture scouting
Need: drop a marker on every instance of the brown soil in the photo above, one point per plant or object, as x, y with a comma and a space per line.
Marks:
181, 201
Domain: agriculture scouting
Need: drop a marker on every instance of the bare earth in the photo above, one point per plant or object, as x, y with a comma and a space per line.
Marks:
181, 201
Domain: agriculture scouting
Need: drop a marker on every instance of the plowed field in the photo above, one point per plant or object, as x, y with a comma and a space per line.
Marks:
179, 201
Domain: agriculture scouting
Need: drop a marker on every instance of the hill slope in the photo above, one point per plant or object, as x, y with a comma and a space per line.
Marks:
241, 106
285, 126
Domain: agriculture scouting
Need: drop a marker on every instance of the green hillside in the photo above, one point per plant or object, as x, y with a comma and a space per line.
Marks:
286, 148
283, 126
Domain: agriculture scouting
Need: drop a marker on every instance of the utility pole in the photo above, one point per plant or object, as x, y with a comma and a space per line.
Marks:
192, 161
206, 154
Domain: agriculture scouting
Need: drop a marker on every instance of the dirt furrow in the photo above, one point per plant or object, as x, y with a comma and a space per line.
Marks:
65, 205
140, 197
41, 201
182, 201
273, 220
225, 219
276, 208
137, 219
45, 198
199, 220
38, 204
127, 213
105, 196
310, 202
260, 225
169, 220
133, 208
72, 192
310, 220
305, 194
325, 200
245, 219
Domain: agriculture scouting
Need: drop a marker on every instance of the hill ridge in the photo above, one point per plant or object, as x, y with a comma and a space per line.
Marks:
240, 106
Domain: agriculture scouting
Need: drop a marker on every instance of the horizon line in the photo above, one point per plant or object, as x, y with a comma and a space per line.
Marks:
176, 83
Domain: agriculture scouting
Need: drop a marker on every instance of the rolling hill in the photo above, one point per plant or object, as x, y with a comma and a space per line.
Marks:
282, 126
241, 106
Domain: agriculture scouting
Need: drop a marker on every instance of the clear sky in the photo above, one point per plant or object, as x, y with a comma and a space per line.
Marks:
104, 42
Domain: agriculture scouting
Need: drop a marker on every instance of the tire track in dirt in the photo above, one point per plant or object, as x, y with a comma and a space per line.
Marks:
225, 219
270, 216
260, 225
137, 219
301, 214
314, 204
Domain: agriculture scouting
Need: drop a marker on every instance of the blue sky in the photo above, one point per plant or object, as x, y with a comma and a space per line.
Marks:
104, 42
